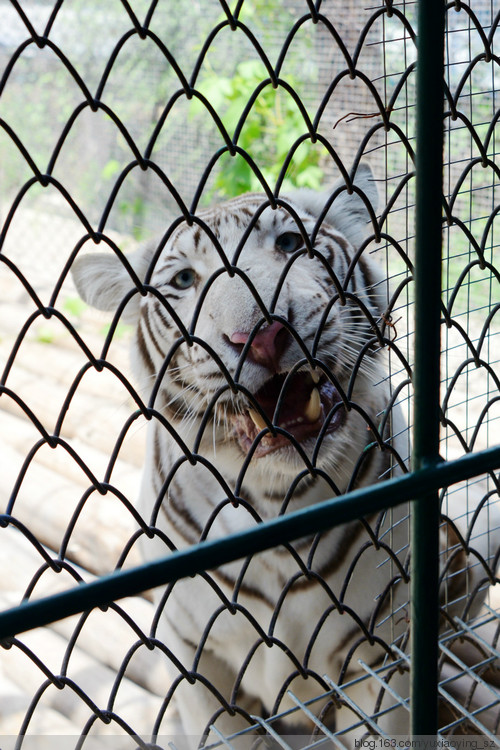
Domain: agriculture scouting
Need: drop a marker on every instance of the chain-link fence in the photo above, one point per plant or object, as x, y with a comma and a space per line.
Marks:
230, 191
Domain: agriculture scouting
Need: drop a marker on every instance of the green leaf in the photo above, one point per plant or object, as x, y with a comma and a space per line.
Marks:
110, 169
74, 306
311, 177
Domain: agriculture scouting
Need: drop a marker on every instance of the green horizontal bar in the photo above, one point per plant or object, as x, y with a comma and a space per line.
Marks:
211, 554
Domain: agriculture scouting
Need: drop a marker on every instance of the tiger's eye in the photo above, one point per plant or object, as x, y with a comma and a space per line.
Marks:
184, 279
289, 242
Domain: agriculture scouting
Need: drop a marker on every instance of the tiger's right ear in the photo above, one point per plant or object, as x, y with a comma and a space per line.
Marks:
102, 280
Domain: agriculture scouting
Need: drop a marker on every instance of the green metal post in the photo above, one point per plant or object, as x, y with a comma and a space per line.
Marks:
425, 513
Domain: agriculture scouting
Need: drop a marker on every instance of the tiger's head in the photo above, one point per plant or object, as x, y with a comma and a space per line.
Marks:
255, 326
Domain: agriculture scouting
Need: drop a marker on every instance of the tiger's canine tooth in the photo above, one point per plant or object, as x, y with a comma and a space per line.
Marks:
257, 419
315, 375
313, 406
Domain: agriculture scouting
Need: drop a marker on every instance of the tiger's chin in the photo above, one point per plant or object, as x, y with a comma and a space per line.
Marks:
293, 409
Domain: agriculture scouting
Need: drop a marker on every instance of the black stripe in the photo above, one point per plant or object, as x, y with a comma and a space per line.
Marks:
175, 508
147, 323
143, 350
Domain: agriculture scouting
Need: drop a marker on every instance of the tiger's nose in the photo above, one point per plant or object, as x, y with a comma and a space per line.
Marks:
266, 347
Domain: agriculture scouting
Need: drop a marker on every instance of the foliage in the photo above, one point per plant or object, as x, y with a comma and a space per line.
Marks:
74, 306
269, 131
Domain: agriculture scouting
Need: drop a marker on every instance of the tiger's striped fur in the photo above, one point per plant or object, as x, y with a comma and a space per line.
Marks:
265, 320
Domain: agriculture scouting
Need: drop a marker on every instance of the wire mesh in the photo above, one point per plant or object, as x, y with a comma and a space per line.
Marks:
119, 126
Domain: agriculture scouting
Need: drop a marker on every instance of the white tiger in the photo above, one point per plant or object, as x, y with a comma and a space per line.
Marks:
259, 335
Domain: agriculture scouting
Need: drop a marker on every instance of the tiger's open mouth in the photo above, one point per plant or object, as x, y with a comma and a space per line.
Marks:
303, 407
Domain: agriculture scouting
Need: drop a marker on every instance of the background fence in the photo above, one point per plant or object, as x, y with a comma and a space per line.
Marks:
87, 95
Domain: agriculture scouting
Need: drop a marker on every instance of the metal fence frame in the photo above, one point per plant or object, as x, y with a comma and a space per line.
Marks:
429, 471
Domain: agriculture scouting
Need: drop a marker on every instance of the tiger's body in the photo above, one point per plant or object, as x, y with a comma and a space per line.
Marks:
264, 353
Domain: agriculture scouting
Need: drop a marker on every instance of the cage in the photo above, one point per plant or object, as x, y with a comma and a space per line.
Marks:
231, 623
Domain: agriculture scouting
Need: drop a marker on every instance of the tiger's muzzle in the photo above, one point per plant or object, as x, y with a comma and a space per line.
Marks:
301, 405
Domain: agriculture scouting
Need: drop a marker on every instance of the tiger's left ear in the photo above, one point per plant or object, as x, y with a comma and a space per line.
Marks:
349, 213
